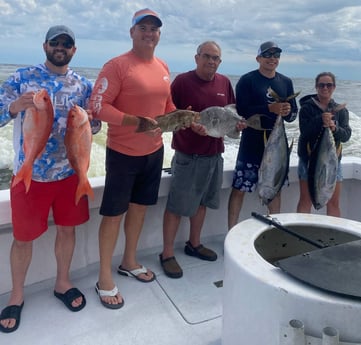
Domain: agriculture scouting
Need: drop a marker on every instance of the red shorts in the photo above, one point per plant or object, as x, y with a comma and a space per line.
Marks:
30, 211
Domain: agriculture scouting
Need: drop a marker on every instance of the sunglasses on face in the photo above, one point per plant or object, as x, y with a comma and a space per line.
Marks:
66, 44
268, 55
328, 85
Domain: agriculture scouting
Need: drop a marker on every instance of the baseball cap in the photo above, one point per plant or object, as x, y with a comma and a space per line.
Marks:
266, 46
145, 12
58, 30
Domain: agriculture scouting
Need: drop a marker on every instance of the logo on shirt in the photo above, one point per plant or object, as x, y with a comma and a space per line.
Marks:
102, 85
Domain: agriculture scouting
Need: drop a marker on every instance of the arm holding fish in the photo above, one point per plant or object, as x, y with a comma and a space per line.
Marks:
199, 129
108, 113
328, 121
342, 130
286, 107
310, 122
22, 103
280, 108
11, 105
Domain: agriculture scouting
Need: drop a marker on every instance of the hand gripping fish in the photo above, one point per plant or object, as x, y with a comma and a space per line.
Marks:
78, 139
322, 165
275, 162
169, 122
37, 125
221, 121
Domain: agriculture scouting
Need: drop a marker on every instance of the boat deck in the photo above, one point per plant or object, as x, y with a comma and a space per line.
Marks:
165, 311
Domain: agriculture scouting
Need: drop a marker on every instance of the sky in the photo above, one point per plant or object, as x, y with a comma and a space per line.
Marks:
315, 35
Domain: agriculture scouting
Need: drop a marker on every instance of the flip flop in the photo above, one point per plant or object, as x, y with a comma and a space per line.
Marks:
11, 312
135, 273
110, 293
69, 296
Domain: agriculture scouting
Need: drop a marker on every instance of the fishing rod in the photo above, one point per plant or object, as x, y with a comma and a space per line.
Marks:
271, 221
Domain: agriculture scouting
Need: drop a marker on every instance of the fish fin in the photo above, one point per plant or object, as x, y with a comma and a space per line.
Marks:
234, 134
24, 174
293, 96
291, 146
232, 107
274, 94
84, 189
339, 107
277, 98
255, 122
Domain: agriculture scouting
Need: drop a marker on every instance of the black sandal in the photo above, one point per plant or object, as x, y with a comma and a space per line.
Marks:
69, 296
11, 312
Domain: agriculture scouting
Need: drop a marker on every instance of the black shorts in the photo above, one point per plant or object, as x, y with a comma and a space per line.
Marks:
130, 179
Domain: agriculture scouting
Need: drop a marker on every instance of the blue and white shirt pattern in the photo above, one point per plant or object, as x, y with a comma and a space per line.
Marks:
65, 91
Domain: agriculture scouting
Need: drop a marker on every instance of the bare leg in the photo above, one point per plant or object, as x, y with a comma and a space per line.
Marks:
234, 207
275, 205
133, 225
333, 207
304, 204
20, 258
64, 249
108, 236
170, 227
196, 226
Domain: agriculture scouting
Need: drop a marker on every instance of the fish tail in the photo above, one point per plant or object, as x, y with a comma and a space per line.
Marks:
84, 189
24, 174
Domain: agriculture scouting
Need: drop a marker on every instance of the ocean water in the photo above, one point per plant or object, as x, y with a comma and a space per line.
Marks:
346, 92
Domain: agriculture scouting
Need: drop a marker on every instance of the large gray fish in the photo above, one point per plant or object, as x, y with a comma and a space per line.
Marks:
322, 169
322, 165
170, 122
274, 166
221, 121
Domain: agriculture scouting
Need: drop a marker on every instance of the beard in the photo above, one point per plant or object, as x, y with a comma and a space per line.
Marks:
58, 58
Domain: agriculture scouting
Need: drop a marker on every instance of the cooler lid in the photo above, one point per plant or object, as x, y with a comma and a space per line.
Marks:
336, 269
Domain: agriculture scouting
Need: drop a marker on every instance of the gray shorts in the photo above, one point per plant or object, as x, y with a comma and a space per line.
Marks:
196, 180
302, 170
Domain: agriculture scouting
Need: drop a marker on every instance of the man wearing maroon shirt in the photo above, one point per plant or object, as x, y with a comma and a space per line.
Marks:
197, 166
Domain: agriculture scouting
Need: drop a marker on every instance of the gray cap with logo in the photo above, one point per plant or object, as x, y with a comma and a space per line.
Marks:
58, 30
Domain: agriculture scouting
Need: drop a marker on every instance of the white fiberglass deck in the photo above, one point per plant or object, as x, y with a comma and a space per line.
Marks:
163, 312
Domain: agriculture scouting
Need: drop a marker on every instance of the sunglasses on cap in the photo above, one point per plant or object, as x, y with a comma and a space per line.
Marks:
328, 85
268, 55
66, 44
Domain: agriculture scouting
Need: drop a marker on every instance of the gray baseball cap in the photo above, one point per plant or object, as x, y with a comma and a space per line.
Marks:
58, 30
266, 46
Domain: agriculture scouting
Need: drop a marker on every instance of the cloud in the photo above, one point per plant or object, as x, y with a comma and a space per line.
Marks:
314, 35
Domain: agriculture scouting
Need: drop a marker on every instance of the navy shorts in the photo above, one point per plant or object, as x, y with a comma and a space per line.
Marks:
196, 180
245, 176
130, 179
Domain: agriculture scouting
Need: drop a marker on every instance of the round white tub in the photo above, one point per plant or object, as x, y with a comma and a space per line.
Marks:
263, 305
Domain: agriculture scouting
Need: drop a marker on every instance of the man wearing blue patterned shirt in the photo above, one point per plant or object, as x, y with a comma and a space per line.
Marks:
53, 182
